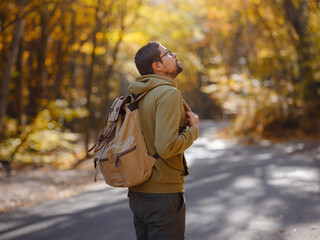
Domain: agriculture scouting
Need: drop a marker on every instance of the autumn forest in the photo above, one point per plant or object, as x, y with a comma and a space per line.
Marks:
62, 62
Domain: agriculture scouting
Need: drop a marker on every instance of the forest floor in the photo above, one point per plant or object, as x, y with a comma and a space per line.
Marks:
30, 186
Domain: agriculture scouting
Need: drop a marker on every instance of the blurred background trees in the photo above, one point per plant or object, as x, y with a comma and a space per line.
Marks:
63, 61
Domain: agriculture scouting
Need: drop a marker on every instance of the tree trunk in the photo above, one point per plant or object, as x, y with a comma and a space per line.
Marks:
306, 83
299, 18
19, 103
89, 79
31, 81
42, 54
56, 92
72, 56
39, 87
6, 77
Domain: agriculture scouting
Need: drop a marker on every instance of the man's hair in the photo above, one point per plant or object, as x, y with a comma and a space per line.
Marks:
146, 56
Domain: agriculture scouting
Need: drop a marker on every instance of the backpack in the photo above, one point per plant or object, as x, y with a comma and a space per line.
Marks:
120, 150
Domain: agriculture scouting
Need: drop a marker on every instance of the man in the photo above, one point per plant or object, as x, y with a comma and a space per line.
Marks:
158, 204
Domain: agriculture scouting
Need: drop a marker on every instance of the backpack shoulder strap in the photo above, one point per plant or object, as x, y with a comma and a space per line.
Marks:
186, 106
141, 96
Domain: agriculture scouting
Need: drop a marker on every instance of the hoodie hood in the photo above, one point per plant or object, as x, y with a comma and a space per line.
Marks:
148, 82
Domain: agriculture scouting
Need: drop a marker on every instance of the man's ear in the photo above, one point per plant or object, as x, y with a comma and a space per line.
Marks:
156, 67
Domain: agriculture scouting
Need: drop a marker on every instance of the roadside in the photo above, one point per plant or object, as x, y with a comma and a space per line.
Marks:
31, 186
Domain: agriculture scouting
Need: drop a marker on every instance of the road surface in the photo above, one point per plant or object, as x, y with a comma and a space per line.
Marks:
233, 192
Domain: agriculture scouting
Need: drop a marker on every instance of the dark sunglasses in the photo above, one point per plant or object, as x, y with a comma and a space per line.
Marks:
167, 52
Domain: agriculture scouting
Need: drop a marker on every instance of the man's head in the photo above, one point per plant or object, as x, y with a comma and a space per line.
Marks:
153, 58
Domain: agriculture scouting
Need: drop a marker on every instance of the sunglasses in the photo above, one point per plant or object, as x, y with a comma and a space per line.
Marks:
167, 52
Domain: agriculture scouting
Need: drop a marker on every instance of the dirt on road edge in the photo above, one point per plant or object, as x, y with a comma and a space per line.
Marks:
31, 186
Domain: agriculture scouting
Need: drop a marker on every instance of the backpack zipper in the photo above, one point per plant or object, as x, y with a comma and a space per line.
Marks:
123, 153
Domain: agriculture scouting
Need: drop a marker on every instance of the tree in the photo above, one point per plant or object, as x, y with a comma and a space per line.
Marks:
13, 51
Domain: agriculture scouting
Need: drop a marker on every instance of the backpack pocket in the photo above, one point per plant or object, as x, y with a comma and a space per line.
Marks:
116, 162
124, 159
109, 164
132, 171
111, 174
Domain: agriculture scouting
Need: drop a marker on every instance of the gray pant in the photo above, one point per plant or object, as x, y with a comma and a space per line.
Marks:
158, 216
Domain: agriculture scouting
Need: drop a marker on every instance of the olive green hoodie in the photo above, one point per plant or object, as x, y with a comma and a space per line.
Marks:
162, 114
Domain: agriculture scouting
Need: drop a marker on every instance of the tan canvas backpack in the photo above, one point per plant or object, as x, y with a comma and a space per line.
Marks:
120, 150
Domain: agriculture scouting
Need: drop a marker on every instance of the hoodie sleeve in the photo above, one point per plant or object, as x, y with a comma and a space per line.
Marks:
168, 141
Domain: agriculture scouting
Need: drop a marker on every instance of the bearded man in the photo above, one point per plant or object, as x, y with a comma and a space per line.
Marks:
158, 205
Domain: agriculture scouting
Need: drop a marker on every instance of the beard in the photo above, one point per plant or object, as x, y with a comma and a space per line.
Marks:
176, 72
179, 67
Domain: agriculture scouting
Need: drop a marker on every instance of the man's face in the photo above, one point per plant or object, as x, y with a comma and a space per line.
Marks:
170, 63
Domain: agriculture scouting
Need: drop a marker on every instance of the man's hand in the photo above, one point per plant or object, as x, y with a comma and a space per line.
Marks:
193, 119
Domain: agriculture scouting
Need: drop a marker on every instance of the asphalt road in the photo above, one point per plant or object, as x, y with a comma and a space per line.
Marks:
233, 192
